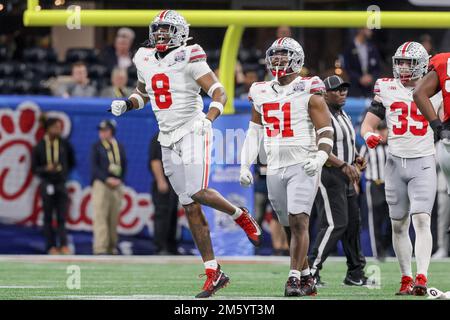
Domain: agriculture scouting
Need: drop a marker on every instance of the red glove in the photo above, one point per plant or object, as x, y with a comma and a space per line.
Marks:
372, 139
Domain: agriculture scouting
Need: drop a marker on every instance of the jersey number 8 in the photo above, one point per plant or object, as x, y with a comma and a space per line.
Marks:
160, 86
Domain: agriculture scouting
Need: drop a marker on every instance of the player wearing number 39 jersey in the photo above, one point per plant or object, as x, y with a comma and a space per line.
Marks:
170, 76
410, 182
295, 125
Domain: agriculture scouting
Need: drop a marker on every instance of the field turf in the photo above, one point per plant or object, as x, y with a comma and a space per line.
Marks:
42, 277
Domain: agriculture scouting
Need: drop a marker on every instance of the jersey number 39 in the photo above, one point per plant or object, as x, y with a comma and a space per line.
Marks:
403, 119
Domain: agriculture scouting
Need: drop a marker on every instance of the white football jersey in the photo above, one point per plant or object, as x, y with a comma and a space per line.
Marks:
410, 135
172, 88
289, 134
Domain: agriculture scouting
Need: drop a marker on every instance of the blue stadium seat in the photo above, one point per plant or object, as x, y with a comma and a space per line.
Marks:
81, 54
39, 55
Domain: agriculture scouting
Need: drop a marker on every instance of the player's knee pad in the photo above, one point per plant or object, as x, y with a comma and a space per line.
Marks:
421, 221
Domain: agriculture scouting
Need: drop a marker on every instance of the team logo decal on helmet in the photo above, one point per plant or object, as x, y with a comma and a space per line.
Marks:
410, 61
168, 30
285, 56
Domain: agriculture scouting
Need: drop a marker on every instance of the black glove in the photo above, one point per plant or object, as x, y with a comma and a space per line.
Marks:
436, 125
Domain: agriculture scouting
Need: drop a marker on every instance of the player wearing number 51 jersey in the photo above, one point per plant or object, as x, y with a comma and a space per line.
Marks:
295, 125
170, 75
410, 182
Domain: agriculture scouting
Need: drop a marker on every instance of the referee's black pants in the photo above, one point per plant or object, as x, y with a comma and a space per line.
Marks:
338, 208
378, 216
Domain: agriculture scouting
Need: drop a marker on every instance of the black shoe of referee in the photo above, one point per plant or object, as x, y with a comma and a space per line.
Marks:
355, 281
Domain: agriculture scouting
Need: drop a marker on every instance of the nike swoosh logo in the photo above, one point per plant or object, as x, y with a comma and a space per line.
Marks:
215, 283
426, 168
356, 283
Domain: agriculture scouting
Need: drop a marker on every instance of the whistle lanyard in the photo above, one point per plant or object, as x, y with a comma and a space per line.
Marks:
48, 150
114, 154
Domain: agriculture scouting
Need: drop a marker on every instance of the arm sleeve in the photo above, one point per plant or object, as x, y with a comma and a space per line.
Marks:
377, 109
198, 69
317, 86
250, 148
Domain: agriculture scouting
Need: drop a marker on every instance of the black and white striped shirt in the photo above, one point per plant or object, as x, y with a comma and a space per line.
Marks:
376, 160
344, 136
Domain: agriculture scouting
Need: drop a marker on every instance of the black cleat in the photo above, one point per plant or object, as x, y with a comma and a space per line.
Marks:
293, 288
317, 280
308, 285
216, 279
355, 281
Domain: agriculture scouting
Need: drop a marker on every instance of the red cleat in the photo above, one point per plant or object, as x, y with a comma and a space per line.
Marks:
420, 285
251, 227
407, 286
216, 279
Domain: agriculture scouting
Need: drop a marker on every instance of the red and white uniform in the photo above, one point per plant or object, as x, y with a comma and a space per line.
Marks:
410, 136
289, 139
175, 98
172, 88
289, 135
441, 64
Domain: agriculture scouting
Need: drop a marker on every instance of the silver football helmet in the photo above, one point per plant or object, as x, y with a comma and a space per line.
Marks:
285, 56
168, 30
410, 61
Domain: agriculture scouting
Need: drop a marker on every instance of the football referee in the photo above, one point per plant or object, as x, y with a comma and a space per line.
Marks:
337, 200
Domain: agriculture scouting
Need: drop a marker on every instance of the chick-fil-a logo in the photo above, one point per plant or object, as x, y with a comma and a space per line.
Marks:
19, 190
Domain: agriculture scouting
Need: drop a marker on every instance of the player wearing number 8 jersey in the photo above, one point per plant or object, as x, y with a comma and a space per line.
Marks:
295, 125
410, 182
170, 75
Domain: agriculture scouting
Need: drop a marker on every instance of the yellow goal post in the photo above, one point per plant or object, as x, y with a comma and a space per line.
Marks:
236, 21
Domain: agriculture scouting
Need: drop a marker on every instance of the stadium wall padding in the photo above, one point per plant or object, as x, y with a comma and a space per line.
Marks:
20, 207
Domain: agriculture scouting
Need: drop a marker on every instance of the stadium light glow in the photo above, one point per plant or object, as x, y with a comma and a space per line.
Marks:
236, 21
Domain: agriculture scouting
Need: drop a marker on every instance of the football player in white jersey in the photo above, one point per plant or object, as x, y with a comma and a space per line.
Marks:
295, 125
171, 75
411, 166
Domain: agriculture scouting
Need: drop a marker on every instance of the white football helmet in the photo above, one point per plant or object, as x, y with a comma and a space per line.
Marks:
177, 33
418, 59
285, 50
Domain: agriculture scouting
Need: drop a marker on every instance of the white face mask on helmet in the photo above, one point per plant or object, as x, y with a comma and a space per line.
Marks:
410, 62
168, 30
285, 56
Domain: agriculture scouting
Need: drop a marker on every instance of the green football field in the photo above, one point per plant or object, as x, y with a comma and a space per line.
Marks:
57, 277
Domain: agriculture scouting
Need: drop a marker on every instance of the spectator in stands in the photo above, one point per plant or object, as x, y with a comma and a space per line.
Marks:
165, 201
284, 31
427, 43
250, 76
362, 63
52, 159
79, 86
108, 166
120, 54
118, 88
